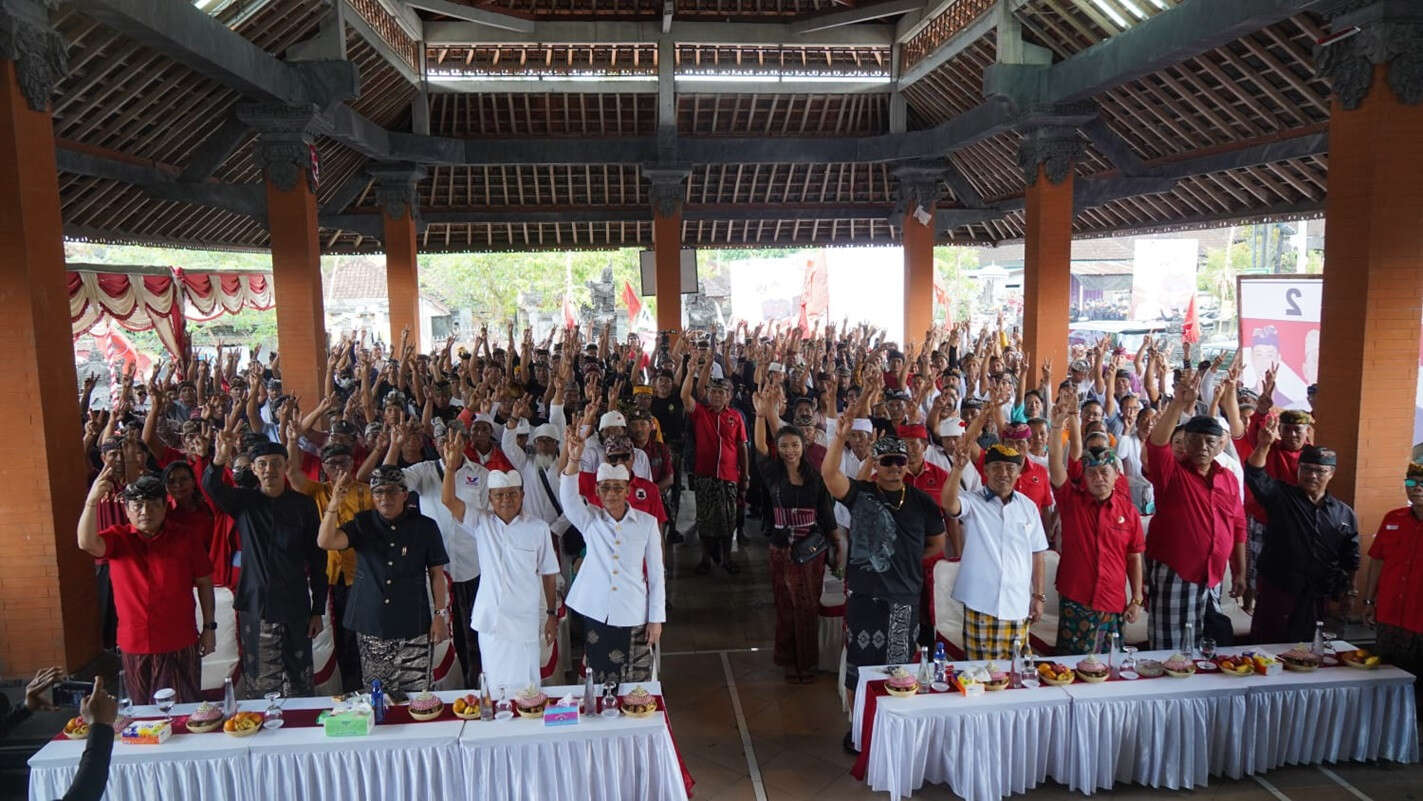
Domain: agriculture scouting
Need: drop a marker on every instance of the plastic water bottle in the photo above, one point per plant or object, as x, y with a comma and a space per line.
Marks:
377, 701
1317, 647
1016, 670
941, 663
229, 698
1188, 643
924, 677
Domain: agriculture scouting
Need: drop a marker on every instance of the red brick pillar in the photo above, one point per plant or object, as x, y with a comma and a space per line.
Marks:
918, 192
283, 151
396, 190
1047, 156
48, 614
1373, 276
668, 191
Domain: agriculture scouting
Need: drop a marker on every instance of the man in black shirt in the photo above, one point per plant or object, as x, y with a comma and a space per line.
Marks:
1311, 543
672, 420
398, 550
893, 526
282, 590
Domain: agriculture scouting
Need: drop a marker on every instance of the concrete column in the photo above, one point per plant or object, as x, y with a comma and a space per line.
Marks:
47, 591
1046, 156
396, 192
668, 192
283, 151
919, 189
1373, 261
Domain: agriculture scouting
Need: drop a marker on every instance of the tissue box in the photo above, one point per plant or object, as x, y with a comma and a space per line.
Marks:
349, 723
561, 714
146, 732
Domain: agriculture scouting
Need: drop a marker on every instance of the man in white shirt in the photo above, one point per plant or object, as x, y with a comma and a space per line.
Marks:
517, 597
471, 481
539, 472
1001, 574
620, 585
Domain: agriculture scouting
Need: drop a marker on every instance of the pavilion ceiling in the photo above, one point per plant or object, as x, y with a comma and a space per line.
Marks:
128, 105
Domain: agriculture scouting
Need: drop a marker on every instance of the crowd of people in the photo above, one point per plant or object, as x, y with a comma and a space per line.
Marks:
470, 494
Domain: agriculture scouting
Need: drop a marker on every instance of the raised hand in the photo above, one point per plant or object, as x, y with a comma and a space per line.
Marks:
103, 486
454, 452
1269, 432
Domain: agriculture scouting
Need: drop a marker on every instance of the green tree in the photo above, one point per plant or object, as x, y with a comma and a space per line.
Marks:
951, 265
489, 284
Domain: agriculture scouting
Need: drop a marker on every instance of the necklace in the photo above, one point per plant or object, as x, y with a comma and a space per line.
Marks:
894, 506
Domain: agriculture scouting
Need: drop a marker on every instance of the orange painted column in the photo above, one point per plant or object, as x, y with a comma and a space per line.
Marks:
396, 191
402, 277
918, 274
1047, 270
1372, 297
296, 270
47, 590
667, 192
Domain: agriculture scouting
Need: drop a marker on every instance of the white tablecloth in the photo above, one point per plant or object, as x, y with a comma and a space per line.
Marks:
1164, 732
983, 747
622, 758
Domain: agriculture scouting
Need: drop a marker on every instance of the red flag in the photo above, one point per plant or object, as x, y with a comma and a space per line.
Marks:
630, 300
1191, 329
570, 320
941, 299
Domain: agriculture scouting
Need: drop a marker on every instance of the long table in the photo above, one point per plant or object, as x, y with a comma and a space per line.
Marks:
1163, 732
516, 760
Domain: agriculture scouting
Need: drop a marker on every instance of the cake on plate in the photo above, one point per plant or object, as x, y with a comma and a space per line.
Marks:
207, 717
1092, 670
1301, 659
997, 678
901, 683
530, 702
426, 706
639, 703
1179, 666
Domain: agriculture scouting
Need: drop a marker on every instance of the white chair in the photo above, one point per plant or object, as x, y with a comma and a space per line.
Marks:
1043, 633
948, 613
222, 662
832, 622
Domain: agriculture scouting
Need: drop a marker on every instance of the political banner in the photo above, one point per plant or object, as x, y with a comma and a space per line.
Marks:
1163, 280
1279, 324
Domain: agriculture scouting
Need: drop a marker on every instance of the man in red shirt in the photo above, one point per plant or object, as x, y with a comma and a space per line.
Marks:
1393, 592
1199, 522
643, 495
720, 467
1101, 542
153, 568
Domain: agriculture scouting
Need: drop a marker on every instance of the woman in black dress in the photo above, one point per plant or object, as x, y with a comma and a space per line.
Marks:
800, 513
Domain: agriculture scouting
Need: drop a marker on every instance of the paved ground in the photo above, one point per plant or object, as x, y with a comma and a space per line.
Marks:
717, 654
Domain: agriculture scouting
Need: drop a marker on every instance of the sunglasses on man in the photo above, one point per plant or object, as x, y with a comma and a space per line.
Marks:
1411, 482
893, 460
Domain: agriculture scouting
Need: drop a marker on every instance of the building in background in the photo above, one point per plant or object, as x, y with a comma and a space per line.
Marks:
356, 298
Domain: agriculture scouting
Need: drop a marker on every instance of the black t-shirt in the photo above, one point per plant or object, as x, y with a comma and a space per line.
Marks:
796, 510
388, 596
671, 416
887, 543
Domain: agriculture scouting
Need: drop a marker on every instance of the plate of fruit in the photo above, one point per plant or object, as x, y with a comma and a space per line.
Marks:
1056, 674
467, 707
1359, 659
1236, 665
639, 703
1179, 666
76, 729
243, 724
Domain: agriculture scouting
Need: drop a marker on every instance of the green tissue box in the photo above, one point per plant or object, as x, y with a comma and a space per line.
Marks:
347, 723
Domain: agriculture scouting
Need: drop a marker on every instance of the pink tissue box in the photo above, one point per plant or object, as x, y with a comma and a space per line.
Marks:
556, 715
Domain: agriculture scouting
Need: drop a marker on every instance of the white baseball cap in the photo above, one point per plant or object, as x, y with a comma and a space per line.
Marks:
612, 419
951, 427
546, 430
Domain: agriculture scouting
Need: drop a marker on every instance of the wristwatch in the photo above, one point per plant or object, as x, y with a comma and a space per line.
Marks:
210, 626
1037, 596
551, 612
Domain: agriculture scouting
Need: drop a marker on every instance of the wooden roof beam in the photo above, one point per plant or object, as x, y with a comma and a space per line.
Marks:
479, 16
193, 38
457, 34
850, 16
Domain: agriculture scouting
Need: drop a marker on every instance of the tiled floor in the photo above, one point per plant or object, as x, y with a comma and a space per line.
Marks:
720, 623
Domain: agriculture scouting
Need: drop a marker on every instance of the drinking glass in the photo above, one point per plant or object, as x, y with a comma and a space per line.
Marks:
272, 718
1328, 657
164, 700
504, 708
1207, 647
1128, 662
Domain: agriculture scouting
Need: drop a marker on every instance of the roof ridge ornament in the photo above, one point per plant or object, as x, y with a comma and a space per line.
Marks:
1055, 148
1389, 32
396, 190
285, 135
40, 54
